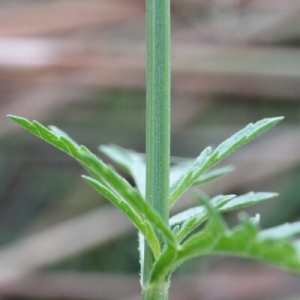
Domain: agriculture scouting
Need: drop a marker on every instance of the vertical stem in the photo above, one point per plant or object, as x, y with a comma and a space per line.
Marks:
158, 121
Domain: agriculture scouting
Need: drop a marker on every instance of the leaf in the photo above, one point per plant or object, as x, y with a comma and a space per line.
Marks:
59, 133
213, 174
245, 135
133, 163
207, 159
88, 160
194, 217
105, 176
199, 211
245, 241
163, 266
214, 215
130, 161
143, 226
247, 200
186, 179
134, 198
274, 245
281, 232
178, 169
120, 156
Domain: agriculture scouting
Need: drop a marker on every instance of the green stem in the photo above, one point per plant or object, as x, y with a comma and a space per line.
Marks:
157, 292
158, 120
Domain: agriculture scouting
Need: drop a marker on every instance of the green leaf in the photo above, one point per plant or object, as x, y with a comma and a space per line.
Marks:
245, 135
133, 163
214, 215
247, 200
130, 161
104, 175
120, 156
194, 217
281, 232
134, 198
213, 174
199, 211
178, 169
186, 179
59, 133
163, 267
88, 160
245, 241
143, 226
207, 159
274, 245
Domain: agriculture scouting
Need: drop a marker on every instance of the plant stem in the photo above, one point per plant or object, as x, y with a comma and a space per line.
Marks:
157, 292
157, 123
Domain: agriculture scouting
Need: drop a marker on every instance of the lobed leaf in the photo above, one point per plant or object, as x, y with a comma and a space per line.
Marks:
194, 217
104, 175
59, 133
133, 197
133, 163
274, 245
247, 200
178, 169
186, 179
281, 232
199, 211
245, 135
130, 161
207, 159
143, 226
214, 214
213, 174
246, 241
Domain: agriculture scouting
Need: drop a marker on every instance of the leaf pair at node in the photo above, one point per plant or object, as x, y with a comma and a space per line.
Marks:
181, 242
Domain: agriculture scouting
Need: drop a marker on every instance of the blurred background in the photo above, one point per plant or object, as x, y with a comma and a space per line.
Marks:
81, 66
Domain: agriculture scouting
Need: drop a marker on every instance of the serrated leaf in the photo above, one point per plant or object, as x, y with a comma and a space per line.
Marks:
122, 157
213, 174
214, 215
88, 160
179, 187
143, 226
60, 133
281, 232
272, 246
163, 267
103, 174
130, 161
245, 241
199, 211
207, 159
245, 135
119, 184
177, 170
133, 163
194, 217
247, 200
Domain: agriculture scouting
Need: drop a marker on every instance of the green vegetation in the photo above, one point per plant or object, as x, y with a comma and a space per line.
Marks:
166, 243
